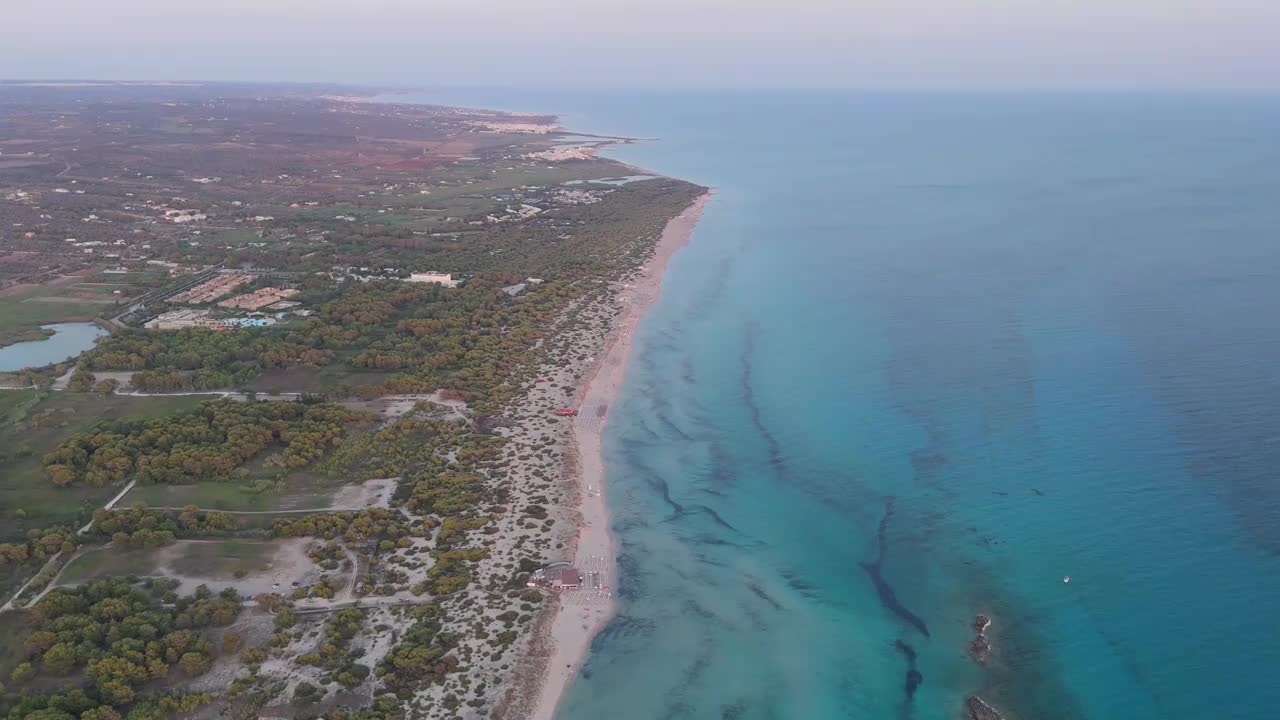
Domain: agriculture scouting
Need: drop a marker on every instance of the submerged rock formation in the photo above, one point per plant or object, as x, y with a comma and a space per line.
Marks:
980, 645
889, 598
913, 677
977, 709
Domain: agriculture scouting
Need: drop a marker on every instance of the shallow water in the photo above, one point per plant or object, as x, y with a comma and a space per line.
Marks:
926, 356
68, 340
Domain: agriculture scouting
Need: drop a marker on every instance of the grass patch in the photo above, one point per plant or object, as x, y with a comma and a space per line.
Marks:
15, 626
218, 559
225, 559
34, 423
110, 562
107, 289
16, 404
130, 277
210, 496
23, 312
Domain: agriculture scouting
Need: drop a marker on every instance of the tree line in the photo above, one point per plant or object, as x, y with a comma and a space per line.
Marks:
206, 443
140, 526
469, 339
39, 546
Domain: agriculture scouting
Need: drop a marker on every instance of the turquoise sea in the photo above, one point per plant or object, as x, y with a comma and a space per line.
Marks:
926, 356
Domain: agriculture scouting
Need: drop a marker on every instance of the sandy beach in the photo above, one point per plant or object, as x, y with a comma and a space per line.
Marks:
578, 616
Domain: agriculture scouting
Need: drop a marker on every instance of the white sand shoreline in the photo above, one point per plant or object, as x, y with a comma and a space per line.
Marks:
574, 624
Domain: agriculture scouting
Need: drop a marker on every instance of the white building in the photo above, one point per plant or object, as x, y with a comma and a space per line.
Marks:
445, 279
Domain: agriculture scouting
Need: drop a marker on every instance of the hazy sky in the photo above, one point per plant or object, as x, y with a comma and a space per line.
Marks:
958, 44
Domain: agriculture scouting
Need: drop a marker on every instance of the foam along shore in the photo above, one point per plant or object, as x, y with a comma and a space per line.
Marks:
575, 623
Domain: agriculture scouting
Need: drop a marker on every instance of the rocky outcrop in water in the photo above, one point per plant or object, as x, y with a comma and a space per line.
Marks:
980, 645
977, 709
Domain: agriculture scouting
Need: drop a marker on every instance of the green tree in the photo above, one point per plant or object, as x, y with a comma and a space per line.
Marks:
102, 712
49, 714
194, 663
60, 659
22, 673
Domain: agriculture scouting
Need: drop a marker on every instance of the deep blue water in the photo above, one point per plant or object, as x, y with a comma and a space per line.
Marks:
926, 356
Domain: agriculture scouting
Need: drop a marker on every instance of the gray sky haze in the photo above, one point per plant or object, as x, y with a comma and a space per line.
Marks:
1225, 45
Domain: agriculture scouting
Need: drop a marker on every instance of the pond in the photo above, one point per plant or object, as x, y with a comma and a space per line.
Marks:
68, 340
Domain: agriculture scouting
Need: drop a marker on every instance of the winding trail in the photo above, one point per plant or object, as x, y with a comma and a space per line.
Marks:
56, 556
10, 606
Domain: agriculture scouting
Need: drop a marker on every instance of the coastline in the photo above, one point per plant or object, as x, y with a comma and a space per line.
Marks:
567, 628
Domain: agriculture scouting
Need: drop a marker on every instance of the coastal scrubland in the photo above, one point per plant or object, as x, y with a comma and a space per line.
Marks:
334, 514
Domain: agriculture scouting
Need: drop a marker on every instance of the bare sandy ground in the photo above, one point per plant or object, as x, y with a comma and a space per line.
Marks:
368, 494
285, 563
576, 623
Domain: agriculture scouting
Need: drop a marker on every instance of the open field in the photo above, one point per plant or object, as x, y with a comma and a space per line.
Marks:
26, 311
212, 496
33, 423
295, 494
250, 566
131, 278
105, 288
15, 405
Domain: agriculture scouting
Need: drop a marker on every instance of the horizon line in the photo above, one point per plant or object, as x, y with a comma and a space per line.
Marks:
905, 90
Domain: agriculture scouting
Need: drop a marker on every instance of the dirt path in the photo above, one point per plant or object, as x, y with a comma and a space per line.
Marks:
64, 379
268, 512
10, 606
110, 504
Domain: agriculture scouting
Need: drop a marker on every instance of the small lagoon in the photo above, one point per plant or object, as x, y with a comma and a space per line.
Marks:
68, 340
